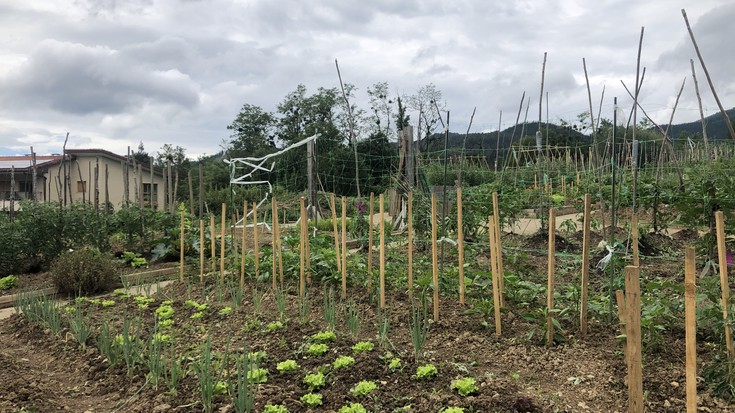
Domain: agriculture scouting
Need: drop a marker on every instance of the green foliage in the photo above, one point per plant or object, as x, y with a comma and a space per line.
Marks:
395, 364
164, 312
363, 346
317, 349
311, 399
453, 410
353, 408
539, 320
425, 372
8, 282
275, 325
363, 388
257, 375
39, 310
287, 366
315, 380
324, 337
419, 327
134, 259
84, 271
275, 408
343, 361
465, 386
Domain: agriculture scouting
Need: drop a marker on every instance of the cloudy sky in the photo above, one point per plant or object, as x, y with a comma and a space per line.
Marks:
116, 72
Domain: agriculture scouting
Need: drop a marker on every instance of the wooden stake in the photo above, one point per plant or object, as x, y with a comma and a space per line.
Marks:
585, 266
244, 236
434, 266
622, 319
280, 252
274, 243
499, 249
633, 329
460, 244
222, 243
256, 244
551, 272
494, 271
634, 238
191, 192
302, 249
410, 247
181, 247
201, 251
307, 260
370, 243
337, 255
722, 260
344, 248
212, 238
690, 271
382, 252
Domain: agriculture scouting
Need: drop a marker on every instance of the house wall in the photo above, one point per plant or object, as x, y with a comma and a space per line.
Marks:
82, 182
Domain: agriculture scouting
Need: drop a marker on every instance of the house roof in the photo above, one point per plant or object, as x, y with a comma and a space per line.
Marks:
25, 162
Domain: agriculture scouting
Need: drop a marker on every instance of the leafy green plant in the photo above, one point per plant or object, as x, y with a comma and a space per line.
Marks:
425, 372
275, 408
353, 408
363, 346
452, 410
8, 282
225, 311
317, 349
134, 259
257, 356
276, 325
465, 386
311, 399
324, 337
395, 364
258, 375
342, 362
315, 380
363, 388
164, 312
108, 303
539, 319
287, 366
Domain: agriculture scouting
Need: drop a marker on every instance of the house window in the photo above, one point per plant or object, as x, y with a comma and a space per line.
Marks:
147, 194
82, 186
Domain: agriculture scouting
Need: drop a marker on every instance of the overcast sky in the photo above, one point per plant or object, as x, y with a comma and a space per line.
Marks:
116, 72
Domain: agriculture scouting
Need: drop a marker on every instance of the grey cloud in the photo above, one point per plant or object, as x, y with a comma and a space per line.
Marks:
77, 79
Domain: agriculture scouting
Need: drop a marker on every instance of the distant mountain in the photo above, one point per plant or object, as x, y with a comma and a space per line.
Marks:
715, 123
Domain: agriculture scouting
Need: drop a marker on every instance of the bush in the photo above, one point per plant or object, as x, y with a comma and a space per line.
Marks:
84, 271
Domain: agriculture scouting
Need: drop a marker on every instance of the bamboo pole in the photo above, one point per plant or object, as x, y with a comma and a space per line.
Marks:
244, 236
494, 271
280, 252
344, 248
212, 238
410, 246
307, 246
585, 266
256, 243
551, 273
302, 280
691, 329
382, 251
460, 243
370, 243
498, 248
434, 267
622, 319
634, 238
274, 243
722, 260
337, 255
201, 251
181, 247
633, 339
222, 243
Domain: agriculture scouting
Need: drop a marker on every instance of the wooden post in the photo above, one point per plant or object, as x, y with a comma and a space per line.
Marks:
242, 248
344, 248
585, 266
494, 271
551, 273
256, 244
280, 251
337, 255
499, 249
201, 251
410, 247
107, 190
370, 242
96, 183
634, 238
460, 244
212, 238
181, 245
12, 192
633, 329
302, 249
201, 189
274, 244
622, 318
434, 264
381, 209
222, 243
154, 199
722, 260
690, 273
191, 192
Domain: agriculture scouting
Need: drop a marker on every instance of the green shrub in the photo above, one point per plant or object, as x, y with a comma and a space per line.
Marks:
8, 282
84, 271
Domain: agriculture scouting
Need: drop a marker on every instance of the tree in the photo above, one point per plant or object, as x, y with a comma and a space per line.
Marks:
141, 156
426, 101
253, 132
